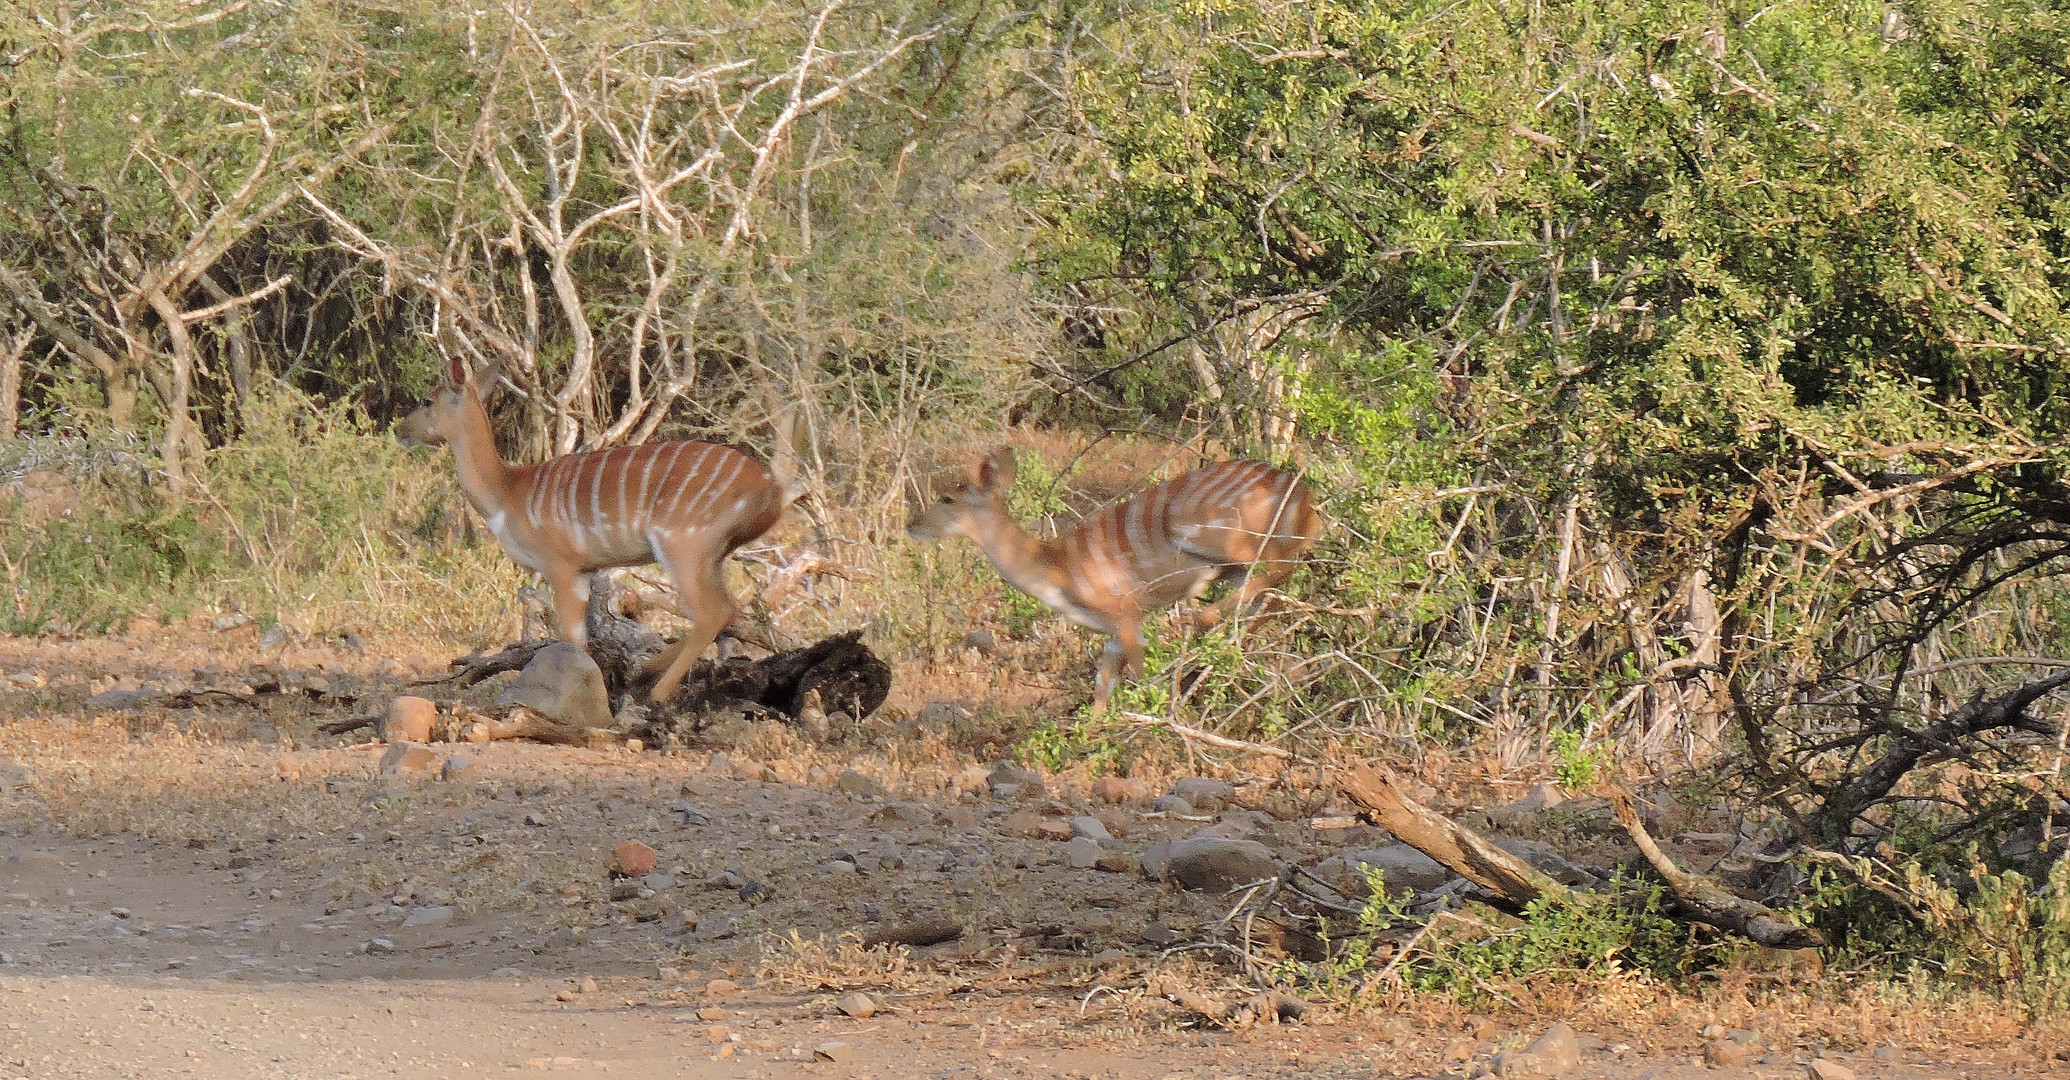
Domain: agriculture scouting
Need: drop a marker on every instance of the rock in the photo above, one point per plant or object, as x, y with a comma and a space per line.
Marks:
1557, 1050
1082, 853
1172, 804
1218, 864
1010, 781
658, 881
716, 1034
1115, 789
919, 932
117, 700
629, 889
719, 764
405, 758
1401, 867
15, 776
1090, 828
983, 641
901, 814
563, 684
1548, 862
859, 1006
1889, 1053
428, 916
715, 930
1725, 1054
1115, 862
851, 782
721, 988
380, 945
941, 715
1157, 860
409, 719
1543, 796
1117, 822
1023, 823
633, 859
1203, 793
565, 937
1055, 829
835, 1051
960, 818
456, 767
1828, 1069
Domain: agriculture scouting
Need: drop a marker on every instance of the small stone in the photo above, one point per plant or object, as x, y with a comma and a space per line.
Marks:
1171, 804
835, 1051
941, 715
428, 916
720, 764
1460, 1050
457, 767
920, 932
1023, 823
687, 924
711, 1012
1217, 864
851, 782
983, 641
1115, 789
1115, 862
1828, 1069
409, 719
381, 945
839, 868
1010, 781
405, 758
633, 859
562, 683
1082, 853
1203, 793
1090, 828
716, 1034
859, 1006
1725, 1054
1401, 867
1744, 1037
959, 818
629, 889
1054, 829
721, 988
588, 985
1889, 1053
15, 776
1557, 1048
901, 814
1116, 822
658, 881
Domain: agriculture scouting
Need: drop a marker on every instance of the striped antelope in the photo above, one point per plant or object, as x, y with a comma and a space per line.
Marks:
1233, 520
685, 505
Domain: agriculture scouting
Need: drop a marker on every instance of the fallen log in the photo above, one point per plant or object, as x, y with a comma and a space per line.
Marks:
1460, 849
1706, 901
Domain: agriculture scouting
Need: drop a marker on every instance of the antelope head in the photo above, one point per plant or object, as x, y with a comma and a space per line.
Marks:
960, 504
438, 421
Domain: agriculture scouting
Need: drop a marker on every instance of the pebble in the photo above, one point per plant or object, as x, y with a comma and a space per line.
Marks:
409, 719
859, 1006
659, 881
1172, 804
1082, 853
716, 1034
1023, 823
429, 916
563, 683
851, 782
1725, 1054
633, 859
380, 945
404, 758
456, 767
1010, 781
983, 641
835, 1051
1826, 1069
1217, 864
1115, 862
901, 814
1203, 793
721, 988
956, 817
941, 715
1557, 1050
1055, 829
1090, 828
1116, 822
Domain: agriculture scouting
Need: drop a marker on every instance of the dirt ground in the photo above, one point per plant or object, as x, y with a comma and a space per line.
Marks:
200, 886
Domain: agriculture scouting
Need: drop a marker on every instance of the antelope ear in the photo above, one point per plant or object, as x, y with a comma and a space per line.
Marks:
456, 372
996, 472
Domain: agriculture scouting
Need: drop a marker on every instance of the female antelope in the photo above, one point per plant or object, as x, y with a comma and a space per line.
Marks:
685, 505
1233, 520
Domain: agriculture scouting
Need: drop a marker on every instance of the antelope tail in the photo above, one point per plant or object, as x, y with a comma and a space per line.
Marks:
783, 457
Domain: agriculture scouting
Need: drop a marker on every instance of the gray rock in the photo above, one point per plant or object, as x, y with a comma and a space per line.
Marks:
1219, 864
381, 945
1401, 867
562, 683
116, 700
428, 916
692, 816
851, 782
1082, 853
835, 1051
1010, 781
1725, 1054
983, 641
273, 637
1889, 1053
1828, 1069
1172, 804
1157, 859
1548, 862
1557, 1049
659, 881
1203, 793
457, 767
1090, 828
941, 715
860, 1006
15, 776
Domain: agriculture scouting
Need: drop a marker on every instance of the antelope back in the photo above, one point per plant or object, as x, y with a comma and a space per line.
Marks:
1172, 540
617, 504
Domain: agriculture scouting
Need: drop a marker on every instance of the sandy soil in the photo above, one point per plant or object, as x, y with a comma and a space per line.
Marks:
210, 890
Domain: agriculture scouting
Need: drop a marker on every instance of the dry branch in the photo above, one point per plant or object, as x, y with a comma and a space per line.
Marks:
1707, 901
1463, 851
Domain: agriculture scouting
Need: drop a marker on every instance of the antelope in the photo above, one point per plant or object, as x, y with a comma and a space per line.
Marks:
685, 505
1238, 521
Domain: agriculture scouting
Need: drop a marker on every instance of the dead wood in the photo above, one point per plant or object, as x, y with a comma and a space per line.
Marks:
1460, 849
350, 723
1706, 901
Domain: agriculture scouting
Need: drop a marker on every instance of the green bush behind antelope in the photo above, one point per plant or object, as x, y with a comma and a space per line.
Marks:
311, 507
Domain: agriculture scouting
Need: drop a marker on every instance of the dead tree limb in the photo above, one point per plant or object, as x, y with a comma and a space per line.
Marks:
350, 723
1463, 851
1707, 901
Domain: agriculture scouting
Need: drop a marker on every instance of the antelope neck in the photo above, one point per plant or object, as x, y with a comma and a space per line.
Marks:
1028, 564
483, 475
